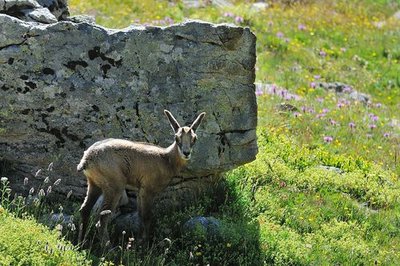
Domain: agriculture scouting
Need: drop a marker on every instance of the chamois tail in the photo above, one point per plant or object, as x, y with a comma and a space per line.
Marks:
81, 165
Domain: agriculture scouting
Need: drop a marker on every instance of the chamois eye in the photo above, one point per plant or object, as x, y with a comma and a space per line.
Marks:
177, 139
194, 139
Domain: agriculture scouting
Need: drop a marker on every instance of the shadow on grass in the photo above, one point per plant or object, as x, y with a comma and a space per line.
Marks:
213, 229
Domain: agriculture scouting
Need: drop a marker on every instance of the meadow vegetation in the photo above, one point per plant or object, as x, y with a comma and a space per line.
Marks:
24, 241
325, 187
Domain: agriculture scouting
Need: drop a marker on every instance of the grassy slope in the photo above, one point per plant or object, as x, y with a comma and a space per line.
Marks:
286, 208
24, 242
311, 214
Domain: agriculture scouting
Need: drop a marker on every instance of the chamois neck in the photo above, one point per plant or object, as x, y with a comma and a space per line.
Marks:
174, 157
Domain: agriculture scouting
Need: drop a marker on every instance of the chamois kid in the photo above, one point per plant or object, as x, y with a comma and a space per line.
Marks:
113, 165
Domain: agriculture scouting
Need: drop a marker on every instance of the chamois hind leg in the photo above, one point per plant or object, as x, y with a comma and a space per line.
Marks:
93, 193
112, 196
145, 202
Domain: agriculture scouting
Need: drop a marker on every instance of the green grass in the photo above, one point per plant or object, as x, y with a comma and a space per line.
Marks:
25, 242
305, 200
310, 214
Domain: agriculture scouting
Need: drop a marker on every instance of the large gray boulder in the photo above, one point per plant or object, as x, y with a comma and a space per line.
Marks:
66, 85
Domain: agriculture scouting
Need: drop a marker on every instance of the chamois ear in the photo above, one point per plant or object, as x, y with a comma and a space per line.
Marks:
197, 122
172, 121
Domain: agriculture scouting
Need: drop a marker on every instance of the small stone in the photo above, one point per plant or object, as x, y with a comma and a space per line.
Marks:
20, 4
259, 6
333, 169
58, 8
334, 86
360, 97
346, 90
210, 225
286, 107
42, 15
128, 222
60, 218
222, 3
83, 19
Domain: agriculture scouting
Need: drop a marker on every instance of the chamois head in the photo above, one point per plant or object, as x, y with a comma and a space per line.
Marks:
185, 137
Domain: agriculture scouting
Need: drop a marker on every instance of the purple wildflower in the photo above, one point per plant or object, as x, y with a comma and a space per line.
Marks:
344, 102
347, 89
229, 14
169, 20
239, 19
259, 92
301, 27
352, 125
316, 77
378, 105
372, 126
273, 88
296, 114
289, 97
313, 85
325, 110
373, 117
333, 122
280, 34
322, 53
328, 139
306, 109
386, 135
320, 99
320, 115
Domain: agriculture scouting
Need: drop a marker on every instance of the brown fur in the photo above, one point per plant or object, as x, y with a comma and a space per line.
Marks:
113, 165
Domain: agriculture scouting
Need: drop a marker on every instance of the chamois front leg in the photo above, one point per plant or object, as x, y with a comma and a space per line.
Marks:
145, 203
